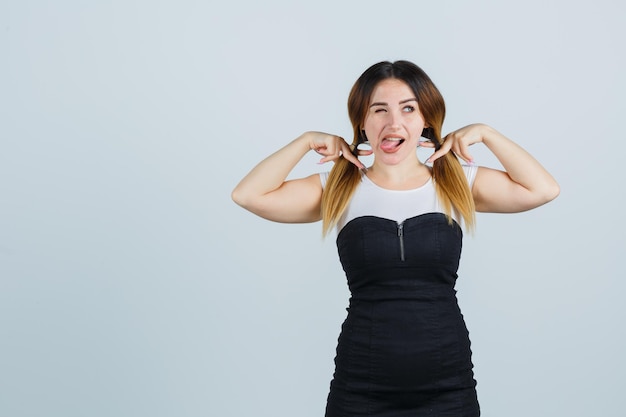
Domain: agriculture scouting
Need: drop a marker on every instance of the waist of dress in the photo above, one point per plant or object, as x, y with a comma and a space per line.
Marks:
391, 292
401, 283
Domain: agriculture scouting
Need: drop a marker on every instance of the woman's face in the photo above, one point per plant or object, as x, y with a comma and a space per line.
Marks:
393, 124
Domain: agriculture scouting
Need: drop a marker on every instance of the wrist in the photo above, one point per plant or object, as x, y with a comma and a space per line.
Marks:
305, 141
489, 134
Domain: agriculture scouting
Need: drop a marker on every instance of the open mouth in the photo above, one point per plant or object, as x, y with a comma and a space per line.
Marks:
389, 144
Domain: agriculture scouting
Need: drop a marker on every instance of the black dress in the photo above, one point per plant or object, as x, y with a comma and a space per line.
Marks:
404, 349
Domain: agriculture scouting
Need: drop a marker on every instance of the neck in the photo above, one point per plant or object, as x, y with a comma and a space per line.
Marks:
403, 176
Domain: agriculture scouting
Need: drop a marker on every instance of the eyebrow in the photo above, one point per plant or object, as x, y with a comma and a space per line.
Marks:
385, 104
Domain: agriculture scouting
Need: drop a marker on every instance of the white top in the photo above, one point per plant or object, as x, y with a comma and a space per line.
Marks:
371, 200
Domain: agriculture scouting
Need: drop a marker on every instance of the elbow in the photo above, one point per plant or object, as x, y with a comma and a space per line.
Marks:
245, 199
550, 192
239, 197
540, 196
554, 191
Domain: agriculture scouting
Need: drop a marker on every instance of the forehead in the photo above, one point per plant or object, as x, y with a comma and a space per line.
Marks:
391, 90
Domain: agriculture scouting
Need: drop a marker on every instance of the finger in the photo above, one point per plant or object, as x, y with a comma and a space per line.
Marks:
350, 157
329, 152
328, 158
466, 156
332, 153
328, 155
436, 155
444, 149
426, 144
326, 147
462, 151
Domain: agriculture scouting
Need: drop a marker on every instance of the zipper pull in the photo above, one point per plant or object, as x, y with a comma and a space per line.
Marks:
401, 238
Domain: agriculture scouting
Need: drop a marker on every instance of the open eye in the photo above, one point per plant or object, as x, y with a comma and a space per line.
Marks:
408, 109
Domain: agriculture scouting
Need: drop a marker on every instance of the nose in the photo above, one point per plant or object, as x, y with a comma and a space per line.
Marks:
395, 119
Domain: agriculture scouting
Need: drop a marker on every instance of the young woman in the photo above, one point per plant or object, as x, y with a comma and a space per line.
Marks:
404, 349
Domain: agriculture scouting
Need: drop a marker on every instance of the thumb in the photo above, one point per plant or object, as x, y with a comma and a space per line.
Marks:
436, 155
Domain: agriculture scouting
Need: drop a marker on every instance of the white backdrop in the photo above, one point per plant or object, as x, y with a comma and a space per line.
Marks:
130, 283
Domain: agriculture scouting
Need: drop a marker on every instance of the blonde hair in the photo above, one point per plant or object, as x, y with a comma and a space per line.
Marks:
448, 176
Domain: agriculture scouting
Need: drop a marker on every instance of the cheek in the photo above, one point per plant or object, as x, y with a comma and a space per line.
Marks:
369, 123
371, 128
418, 123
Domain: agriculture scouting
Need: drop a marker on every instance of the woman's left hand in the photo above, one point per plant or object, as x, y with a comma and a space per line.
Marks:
459, 141
524, 183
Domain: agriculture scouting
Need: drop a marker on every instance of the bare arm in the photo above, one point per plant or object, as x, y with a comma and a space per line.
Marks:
523, 185
266, 192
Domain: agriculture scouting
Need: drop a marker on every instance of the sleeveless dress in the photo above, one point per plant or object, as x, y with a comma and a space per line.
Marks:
404, 349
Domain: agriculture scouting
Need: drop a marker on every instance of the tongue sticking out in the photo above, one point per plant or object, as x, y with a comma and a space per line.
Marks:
390, 145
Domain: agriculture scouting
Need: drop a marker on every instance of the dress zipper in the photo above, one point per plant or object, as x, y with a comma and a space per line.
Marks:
401, 237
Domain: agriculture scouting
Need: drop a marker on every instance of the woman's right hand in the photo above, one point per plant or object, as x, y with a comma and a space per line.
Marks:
332, 147
266, 192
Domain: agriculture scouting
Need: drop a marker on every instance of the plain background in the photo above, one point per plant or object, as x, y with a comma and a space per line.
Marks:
131, 284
